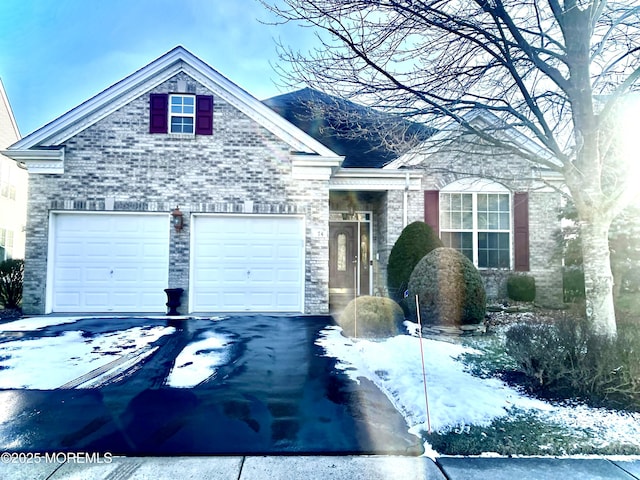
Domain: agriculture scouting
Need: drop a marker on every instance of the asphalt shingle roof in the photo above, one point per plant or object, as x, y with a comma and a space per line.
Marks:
345, 127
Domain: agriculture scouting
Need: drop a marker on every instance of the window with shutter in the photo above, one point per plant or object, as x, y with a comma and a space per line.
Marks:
158, 109
181, 113
432, 209
204, 115
521, 231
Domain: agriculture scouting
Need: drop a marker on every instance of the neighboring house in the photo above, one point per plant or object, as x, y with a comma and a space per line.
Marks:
13, 187
175, 177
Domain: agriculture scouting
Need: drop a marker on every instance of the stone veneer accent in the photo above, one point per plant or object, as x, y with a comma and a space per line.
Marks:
391, 226
117, 162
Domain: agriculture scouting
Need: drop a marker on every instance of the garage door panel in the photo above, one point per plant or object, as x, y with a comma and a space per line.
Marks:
233, 252
109, 262
69, 249
126, 250
262, 251
236, 275
68, 298
94, 274
261, 275
149, 274
237, 263
126, 276
286, 298
94, 299
126, 299
69, 273
287, 275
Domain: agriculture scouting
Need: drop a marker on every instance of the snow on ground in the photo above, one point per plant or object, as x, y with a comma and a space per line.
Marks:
198, 361
49, 362
394, 365
30, 324
457, 398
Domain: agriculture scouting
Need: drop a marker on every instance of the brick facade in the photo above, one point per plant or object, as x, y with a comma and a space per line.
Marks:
516, 174
116, 164
255, 163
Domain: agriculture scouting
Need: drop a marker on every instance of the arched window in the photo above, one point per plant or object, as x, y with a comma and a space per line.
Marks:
475, 218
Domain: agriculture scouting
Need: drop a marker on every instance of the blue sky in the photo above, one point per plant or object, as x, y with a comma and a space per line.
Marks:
54, 54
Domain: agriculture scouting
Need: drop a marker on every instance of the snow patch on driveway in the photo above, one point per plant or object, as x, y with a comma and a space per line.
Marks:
48, 362
36, 323
198, 361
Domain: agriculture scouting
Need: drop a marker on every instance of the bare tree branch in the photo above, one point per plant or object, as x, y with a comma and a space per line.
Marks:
552, 70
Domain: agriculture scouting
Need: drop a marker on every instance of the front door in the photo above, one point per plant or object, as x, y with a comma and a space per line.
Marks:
349, 261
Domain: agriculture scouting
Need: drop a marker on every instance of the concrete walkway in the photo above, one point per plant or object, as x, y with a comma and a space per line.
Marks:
318, 468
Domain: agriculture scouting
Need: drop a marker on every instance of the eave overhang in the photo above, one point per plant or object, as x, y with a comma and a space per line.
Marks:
372, 179
49, 161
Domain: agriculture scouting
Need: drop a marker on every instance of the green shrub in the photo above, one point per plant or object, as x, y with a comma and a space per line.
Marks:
565, 359
371, 317
573, 284
449, 289
521, 288
416, 240
11, 276
534, 348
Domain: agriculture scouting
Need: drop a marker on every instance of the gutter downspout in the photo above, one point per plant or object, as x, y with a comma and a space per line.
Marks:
405, 201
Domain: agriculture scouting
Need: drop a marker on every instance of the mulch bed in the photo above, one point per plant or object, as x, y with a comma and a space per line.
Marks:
8, 315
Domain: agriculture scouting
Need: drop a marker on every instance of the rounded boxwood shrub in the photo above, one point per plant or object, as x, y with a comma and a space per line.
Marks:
377, 317
449, 288
416, 240
521, 288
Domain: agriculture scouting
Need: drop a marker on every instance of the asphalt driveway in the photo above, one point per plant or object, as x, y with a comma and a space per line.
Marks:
272, 391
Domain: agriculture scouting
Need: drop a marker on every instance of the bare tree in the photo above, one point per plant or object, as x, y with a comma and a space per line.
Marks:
558, 71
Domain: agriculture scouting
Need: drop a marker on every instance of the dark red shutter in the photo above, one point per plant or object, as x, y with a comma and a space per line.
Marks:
204, 115
521, 231
432, 209
158, 111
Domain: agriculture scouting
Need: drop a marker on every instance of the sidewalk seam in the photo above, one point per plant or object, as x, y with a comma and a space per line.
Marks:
53, 474
615, 464
241, 467
440, 467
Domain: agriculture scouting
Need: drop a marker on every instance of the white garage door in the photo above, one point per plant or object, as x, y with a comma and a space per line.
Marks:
109, 262
247, 263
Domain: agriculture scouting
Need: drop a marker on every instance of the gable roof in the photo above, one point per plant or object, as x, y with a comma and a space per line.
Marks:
138, 83
333, 121
483, 119
9, 131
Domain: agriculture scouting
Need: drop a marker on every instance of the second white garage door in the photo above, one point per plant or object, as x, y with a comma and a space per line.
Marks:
247, 263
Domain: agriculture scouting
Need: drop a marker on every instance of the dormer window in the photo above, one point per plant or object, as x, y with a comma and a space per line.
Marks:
182, 113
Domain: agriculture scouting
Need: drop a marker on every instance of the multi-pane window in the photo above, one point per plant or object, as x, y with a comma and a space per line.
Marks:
6, 244
478, 225
8, 191
182, 113
456, 221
